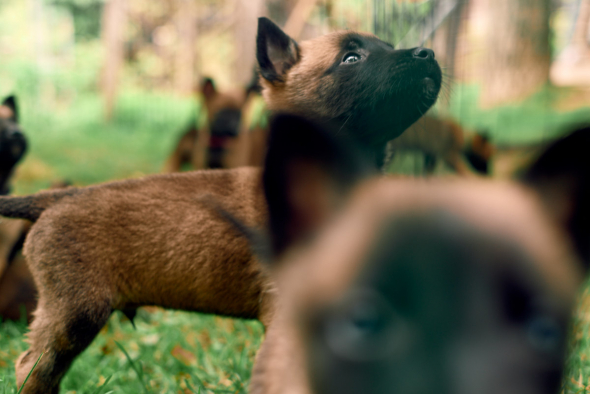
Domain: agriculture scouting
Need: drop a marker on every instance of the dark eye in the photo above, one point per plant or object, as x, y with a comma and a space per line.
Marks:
351, 58
364, 327
544, 334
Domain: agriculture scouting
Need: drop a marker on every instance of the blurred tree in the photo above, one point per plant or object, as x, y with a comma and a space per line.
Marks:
517, 49
578, 49
299, 15
246, 14
186, 24
279, 10
572, 67
446, 38
114, 21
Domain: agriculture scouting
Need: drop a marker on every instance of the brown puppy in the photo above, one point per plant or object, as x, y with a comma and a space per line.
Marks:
444, 139
367, 91
13, 146
420, 286
18, 293
210, 144
154, 241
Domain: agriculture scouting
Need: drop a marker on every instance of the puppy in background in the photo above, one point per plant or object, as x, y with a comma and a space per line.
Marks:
16, 287
444, 139
213, 142
419, 286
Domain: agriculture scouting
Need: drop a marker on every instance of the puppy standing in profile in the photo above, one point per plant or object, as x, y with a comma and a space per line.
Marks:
154, 241
419, 286
446, 140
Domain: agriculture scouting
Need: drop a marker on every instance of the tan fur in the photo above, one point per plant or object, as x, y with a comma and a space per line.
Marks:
193, 145
318, 273
17, 290
16, 286
293, 94
154, 241
441, 139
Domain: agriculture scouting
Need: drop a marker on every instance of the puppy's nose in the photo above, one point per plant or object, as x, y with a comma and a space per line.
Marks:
424, 53
15, 133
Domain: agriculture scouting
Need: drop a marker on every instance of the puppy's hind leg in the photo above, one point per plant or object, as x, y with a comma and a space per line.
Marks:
60, 331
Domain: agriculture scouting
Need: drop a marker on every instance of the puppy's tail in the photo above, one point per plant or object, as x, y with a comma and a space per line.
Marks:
31, 207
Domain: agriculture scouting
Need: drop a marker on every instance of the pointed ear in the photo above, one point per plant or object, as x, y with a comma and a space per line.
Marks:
208, 88
276, 52
307, 176
561, 176
11, 103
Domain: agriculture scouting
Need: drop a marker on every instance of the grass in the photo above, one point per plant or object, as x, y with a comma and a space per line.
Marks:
76, 144
177, 352
169, 352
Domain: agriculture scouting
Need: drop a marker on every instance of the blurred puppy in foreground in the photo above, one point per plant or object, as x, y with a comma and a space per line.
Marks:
419, 286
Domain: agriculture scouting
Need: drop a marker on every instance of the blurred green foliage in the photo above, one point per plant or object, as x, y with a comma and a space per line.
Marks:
86, 15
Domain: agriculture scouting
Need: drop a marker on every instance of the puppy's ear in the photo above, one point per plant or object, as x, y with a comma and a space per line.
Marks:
307, 175
561, 176
11, 103
208, 88
276, 52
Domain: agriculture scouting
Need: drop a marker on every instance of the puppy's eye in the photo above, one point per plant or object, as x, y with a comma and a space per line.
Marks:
544, 334
351, 58
364, 327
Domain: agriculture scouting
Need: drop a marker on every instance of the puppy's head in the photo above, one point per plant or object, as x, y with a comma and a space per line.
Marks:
12, 141
362, 84
224, 109
413, 286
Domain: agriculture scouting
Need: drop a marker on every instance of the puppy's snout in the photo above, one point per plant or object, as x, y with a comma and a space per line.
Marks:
15, 133
423, 53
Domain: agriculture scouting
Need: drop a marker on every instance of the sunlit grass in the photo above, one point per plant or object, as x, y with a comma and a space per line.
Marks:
172, 352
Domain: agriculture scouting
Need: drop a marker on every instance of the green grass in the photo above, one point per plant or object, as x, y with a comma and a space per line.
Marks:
533, 120
76, 144
173, 352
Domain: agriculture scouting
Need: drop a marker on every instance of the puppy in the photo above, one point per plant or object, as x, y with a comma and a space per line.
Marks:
419, 286
13, 145
18, 294
209, 144
156, 241
356, 83
444, 139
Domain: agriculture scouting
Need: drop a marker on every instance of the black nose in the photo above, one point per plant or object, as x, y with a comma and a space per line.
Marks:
423, 53
15, 133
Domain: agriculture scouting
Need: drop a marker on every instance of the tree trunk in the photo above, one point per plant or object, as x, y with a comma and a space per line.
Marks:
446, 37
299, 15
185, 59
247, 13
580, 36
517, 52
572, 67
114, 20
